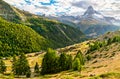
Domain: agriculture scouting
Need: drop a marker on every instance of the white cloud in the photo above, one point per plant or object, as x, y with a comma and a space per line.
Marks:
107, 7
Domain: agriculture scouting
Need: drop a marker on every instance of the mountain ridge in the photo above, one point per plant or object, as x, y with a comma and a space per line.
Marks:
91, 22
58, 33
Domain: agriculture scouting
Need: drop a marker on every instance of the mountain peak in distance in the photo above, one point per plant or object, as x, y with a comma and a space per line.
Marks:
90, 11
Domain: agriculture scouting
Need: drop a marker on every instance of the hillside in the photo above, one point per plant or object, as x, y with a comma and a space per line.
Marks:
22, 32
100, 64
59, 34
16, 38
102, 61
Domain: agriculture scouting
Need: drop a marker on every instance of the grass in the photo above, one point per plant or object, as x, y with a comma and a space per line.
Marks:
104, 65
63, 75
32, 61
67, 77
111, 75
10, 76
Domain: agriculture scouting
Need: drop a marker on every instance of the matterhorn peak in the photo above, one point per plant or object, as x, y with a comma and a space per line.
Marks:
90, 8
90, 11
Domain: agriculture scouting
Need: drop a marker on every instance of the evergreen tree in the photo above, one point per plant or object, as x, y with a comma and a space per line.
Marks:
14, 64
21, 65
63, 62
50, 62
76, 64
81, 57
36, 68
69, 62
2, 66
28, 73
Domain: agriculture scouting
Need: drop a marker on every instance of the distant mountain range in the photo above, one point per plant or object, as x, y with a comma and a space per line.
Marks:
91, 22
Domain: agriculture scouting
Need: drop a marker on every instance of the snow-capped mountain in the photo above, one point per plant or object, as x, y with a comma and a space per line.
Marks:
92, 22
89, 15
92, 14
90, 11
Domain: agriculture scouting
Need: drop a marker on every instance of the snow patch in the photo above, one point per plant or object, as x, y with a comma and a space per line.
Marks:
99, 16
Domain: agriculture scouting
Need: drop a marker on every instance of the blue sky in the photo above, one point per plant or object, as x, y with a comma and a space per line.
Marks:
68, 7
50, 2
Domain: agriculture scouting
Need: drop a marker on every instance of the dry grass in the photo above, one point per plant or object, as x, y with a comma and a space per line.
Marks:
103, 63
32, 61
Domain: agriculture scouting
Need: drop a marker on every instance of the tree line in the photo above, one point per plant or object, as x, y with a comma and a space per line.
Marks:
51, 63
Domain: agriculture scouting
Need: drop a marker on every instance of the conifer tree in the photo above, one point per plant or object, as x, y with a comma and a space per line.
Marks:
2, 66
63, 62
50, 62
28, 73
14, 64
36, 68
76, 64
21, 65
81, 57
69, 62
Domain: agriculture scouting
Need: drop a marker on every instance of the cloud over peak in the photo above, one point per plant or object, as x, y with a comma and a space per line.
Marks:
69, 7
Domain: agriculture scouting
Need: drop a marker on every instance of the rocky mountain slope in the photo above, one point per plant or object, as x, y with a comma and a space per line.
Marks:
92, 22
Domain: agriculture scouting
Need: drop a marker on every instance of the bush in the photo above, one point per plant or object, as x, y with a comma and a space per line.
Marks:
88, 57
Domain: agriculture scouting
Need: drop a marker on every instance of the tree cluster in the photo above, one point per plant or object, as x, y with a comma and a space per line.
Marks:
114, 39
98, 44
20, 65
52, 63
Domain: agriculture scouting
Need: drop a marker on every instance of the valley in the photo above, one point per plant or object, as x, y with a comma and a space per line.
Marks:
32, 46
